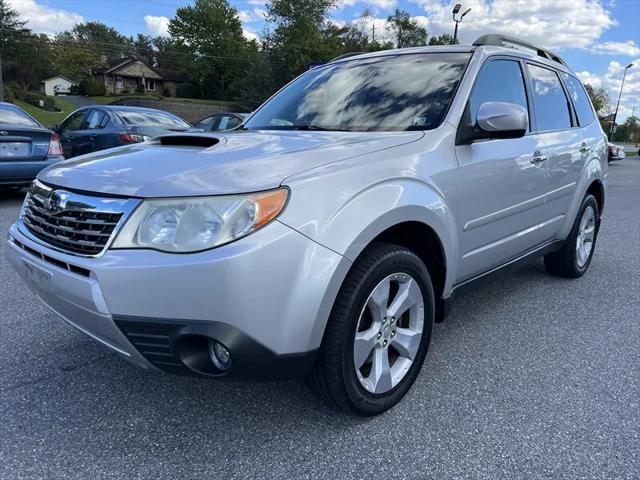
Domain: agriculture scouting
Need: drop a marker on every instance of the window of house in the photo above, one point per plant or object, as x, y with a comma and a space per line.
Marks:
119, 83
149, 84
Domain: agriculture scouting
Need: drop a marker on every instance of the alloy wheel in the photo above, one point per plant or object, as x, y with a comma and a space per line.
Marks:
389, 333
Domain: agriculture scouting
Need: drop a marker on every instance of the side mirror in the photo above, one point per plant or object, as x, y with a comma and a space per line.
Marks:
54, 128
503, 120
494, 120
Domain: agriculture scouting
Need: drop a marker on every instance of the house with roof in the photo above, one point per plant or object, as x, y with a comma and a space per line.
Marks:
58, 85
130, 75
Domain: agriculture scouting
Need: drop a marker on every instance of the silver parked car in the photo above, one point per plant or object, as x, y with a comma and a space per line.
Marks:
325, 237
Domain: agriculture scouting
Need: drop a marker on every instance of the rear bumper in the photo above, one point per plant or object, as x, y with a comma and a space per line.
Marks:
266, 298
23, 172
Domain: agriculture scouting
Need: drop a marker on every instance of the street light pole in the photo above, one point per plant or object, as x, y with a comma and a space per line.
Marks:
456, 10
618, 104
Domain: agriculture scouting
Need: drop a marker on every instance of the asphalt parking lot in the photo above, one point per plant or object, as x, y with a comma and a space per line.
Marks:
530, 377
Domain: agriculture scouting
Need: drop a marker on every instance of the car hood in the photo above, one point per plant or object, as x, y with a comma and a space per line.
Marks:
239, 162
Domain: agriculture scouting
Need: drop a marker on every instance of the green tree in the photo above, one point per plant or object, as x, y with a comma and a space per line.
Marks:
600, 98
444, 39
296, 36
213, 31
104, 40
406, 30
171, 54
143, 48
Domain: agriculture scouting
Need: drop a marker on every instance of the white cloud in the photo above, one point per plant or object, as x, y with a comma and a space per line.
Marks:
628, 49
157, 25
612, 81
259, 3
245, 16
553, 24
377, 4
44, 19
249, 35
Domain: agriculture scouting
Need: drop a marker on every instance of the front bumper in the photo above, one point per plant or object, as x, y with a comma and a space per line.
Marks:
266, 297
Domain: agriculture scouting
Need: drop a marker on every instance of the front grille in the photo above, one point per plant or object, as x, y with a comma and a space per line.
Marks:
74, 224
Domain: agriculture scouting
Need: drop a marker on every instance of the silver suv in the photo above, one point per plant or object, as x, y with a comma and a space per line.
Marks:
325, 236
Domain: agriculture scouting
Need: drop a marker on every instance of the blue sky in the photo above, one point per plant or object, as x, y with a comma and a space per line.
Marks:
596, 37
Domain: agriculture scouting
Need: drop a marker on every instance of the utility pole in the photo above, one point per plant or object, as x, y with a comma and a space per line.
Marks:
613, 124
456, 10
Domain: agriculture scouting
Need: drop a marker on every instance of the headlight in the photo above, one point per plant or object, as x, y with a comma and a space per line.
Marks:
198, 223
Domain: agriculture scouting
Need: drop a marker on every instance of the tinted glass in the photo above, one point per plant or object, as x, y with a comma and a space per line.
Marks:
552, 105
580, 99
157, 119
401, 92
94, 120
206, 123
74, 122
499, 81
14, 116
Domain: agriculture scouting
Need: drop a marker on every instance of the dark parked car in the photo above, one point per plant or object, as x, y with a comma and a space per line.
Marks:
220, 121
26, 147
99, 127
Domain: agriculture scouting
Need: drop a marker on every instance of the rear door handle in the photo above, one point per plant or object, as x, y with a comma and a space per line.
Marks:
538, 158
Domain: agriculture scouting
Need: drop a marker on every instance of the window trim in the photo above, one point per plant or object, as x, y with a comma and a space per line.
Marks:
525, 79
572, 116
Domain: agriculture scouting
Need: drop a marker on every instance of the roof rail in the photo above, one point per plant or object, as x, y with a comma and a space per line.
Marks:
502, 40
345, 55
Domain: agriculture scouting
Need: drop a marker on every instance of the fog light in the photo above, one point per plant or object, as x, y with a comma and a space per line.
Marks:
220, 356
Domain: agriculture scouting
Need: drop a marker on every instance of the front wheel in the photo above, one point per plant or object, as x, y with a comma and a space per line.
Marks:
378, 332
574, 258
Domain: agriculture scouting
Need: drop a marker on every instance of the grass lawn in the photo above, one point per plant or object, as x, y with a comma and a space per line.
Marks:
47, 118
106, 100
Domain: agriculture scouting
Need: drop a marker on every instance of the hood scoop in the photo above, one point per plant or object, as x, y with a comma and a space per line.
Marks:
187, 141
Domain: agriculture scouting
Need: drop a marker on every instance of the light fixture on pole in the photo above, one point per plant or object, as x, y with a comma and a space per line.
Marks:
613, 123
456, 10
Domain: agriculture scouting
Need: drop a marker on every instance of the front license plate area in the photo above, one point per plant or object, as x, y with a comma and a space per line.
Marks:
38, 277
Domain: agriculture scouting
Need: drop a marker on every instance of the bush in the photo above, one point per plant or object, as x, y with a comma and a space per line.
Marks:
36, 99
96, 89
186, 90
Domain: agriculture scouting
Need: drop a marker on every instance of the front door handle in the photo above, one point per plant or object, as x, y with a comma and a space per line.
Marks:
584, 148
538, 158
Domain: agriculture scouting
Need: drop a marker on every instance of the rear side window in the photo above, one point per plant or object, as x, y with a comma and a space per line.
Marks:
142, 118
94, 120
13, 116
580, 99
551, 103
499, 81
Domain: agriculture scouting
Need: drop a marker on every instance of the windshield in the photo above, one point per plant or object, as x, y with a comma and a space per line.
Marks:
151, 119
12, 116
400, 92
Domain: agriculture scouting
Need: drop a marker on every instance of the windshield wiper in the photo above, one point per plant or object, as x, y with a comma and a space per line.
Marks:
319, 129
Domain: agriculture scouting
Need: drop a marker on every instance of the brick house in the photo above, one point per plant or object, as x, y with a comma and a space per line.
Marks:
124, 75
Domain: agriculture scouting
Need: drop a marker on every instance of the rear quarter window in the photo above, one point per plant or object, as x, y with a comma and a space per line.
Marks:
580, 99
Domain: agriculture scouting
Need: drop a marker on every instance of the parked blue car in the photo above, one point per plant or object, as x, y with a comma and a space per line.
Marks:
99, 127
26, 147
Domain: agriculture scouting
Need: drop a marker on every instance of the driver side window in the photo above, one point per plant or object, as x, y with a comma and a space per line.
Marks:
74, 122
498, 81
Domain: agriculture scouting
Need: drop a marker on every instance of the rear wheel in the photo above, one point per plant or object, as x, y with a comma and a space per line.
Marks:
378, 333
574, 258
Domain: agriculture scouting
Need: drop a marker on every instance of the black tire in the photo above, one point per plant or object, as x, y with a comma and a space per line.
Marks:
334, 377
564, 262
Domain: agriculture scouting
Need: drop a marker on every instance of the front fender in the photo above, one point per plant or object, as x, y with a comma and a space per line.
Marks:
351, 226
